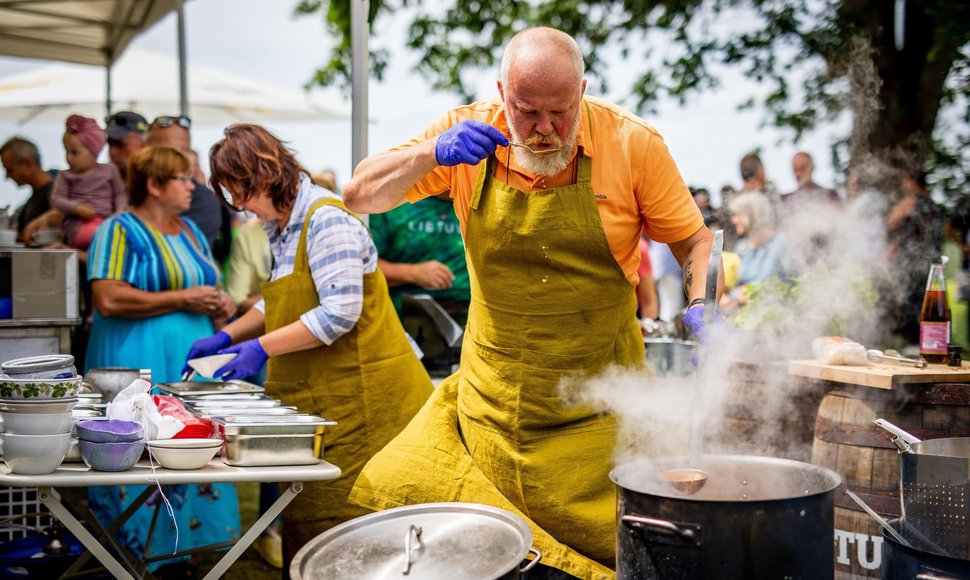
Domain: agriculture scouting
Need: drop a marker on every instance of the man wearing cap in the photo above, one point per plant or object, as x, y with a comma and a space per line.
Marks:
206, 211
126, 134
21, 161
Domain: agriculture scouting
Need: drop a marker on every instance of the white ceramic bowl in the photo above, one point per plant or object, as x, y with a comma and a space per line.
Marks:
183, 453
32, 389
208, 365
48, 366
34, 454
48, 236
36, 423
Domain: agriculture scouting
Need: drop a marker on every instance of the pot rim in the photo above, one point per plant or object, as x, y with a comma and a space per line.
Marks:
828, 480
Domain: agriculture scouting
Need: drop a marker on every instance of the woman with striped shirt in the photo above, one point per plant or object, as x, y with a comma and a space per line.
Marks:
325, 326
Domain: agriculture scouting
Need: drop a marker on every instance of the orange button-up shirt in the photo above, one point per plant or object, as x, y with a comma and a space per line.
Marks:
635, 181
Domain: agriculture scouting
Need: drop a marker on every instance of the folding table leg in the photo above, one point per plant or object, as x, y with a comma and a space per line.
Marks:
257, 528
82, 534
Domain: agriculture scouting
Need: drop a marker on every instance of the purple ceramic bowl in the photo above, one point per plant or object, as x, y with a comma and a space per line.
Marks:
111, 456
110, 431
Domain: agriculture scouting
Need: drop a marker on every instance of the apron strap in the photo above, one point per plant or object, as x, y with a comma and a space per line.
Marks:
301, 262
481, 180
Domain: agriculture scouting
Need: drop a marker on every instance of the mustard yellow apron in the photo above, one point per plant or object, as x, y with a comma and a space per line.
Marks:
369, 381
548, 300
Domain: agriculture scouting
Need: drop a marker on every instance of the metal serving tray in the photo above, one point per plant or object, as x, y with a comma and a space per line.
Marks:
248, 403
229, 397
192, 389
227, 411
252, 441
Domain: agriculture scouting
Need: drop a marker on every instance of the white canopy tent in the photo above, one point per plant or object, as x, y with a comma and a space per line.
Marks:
145, 82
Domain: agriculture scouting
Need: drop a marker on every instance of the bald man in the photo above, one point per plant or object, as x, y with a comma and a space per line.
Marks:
551, 189
808, 192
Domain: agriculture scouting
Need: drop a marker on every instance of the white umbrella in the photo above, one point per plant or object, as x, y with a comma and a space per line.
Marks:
146, 82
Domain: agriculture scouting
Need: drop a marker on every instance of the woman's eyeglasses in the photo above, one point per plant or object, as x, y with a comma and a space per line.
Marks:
166, 121
183, 178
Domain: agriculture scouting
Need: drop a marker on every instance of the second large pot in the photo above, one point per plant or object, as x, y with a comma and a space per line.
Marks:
756, 518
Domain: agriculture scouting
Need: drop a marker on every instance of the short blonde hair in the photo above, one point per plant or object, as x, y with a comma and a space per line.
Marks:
160, 163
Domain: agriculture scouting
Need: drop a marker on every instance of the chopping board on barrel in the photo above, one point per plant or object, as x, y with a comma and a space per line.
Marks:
878, 374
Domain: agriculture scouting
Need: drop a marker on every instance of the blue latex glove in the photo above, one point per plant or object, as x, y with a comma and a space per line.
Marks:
250, 358
207, 346
694, 321
467, 142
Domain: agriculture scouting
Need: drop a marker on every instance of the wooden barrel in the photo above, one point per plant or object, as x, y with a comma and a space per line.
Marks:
847, 442
764, 411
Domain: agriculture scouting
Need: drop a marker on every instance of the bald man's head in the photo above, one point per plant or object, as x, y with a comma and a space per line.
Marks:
802, 166
544, 53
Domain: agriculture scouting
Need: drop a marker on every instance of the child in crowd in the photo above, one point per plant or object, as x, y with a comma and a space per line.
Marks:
88, 191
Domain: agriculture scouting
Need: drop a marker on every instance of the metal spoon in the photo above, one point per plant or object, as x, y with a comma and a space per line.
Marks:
878, 355
536, 151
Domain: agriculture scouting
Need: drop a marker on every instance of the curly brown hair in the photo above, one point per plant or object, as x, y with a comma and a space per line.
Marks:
159, 163
250, 161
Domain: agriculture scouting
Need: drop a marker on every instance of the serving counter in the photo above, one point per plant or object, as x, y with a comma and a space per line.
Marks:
126, 565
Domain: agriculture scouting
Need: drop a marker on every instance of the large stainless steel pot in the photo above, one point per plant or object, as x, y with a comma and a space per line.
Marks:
427, 541
934, 487
901, 562
111, 380
756, 518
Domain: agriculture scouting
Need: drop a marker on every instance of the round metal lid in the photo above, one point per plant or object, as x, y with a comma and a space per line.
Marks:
445, 540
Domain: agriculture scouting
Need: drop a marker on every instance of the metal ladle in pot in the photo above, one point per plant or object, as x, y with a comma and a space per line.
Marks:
691, 480
880, 520
687, 480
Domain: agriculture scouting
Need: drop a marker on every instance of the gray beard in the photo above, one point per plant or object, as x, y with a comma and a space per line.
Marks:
551, 164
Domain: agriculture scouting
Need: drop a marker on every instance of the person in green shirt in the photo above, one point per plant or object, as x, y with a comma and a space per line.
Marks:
420, 251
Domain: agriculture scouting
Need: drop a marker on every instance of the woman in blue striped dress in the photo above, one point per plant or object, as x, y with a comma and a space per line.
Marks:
153, 282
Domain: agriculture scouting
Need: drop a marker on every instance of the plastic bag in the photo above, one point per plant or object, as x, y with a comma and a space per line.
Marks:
195, 426
135, 404
838, 350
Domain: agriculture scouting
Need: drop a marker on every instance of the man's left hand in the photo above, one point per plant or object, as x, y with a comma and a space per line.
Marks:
250, 358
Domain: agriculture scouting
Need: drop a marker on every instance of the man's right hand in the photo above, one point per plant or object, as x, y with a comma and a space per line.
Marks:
467, 142
207, 346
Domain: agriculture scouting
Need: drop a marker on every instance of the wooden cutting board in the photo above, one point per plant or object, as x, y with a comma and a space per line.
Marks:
879, 375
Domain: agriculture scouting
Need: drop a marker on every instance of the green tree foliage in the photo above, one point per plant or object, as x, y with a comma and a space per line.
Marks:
816, 58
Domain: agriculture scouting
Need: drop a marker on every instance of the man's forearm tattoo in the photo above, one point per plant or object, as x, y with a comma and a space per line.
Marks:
689, 275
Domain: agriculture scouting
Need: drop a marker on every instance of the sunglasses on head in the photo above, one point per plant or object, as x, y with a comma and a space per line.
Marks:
166, 121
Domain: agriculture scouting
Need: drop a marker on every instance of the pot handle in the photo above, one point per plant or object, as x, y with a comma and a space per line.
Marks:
901, 438
531, 563
662, 526
415, 532
933, 576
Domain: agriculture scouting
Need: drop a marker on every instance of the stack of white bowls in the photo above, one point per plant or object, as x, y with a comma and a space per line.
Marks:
38, 395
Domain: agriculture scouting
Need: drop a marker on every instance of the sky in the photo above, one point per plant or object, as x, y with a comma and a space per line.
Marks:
262, 40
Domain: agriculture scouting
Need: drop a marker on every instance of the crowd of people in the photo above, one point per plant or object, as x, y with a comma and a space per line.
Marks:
540, 252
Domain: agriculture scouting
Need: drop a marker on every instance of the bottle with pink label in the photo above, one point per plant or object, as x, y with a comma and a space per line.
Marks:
934, 321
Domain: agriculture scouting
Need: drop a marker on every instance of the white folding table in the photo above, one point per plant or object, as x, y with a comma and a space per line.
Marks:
79, 475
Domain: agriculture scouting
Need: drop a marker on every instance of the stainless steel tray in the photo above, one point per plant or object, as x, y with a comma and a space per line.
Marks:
264, 450
227, 411
191, 389
226, 397
248, 403
270, 424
